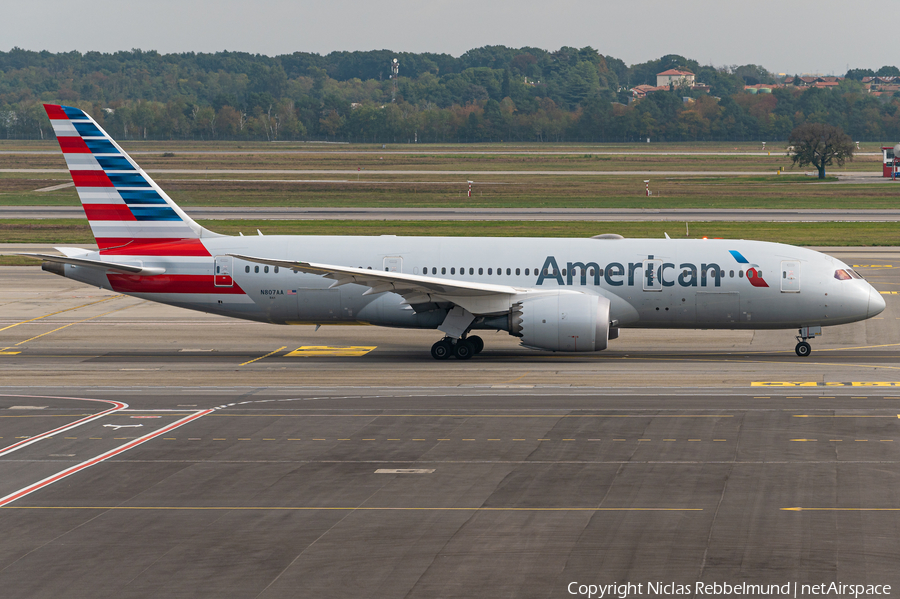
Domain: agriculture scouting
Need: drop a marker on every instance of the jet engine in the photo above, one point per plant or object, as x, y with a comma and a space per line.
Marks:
563, 321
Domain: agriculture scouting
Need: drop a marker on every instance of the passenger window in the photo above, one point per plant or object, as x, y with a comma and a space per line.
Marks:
434, 270
564, 272
452, 271
217, 270
499, 271
509, 271
722, 273
517, 272
256, 269
480, 271
247, 268
490, 271
276, 269
526, 272
740, 274
471, 271
731, 273
265, 269
443, 270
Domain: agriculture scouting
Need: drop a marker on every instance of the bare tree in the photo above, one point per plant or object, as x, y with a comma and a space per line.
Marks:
819, 145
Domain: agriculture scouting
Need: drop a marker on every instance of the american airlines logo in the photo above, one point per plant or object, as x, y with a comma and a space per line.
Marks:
651, 273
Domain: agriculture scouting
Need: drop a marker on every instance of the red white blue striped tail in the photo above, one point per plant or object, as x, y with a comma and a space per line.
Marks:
128, 212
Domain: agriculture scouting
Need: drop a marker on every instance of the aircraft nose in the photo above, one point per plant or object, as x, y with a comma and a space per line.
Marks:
876, 303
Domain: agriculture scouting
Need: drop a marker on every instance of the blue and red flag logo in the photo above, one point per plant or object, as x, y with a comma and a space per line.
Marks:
752, 270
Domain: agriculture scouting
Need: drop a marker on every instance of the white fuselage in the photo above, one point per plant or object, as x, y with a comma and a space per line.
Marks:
661, 283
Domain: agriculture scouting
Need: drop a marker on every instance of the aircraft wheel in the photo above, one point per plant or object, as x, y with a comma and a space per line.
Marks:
463, 350
803, 349
477, 343
441, 350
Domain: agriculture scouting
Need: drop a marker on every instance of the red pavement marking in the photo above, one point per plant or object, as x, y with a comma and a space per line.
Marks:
117, 405
100, 458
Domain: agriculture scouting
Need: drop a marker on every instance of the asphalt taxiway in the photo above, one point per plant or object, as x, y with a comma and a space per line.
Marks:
147, 451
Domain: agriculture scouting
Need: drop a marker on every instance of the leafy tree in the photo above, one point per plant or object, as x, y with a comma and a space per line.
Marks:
888, 71
820, 145
858, 74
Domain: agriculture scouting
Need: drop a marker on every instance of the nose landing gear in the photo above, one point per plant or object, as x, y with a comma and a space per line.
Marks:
803, 348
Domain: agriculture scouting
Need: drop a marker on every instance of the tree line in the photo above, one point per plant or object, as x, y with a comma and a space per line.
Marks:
488, 94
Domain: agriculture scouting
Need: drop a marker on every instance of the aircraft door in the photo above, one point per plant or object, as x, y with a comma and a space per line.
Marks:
650, 273
790, 276
393, 264
223, 268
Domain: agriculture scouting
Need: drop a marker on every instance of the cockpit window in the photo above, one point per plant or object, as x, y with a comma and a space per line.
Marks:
842, 275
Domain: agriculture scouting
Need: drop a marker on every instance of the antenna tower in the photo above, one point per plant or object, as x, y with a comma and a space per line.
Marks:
395, 74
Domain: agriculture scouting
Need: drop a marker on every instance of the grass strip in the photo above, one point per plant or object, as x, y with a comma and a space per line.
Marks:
61, 231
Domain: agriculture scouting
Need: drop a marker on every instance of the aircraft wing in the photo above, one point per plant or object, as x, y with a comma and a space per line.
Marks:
130, 269
478, 298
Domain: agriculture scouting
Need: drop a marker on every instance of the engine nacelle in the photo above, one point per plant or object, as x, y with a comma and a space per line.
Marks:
562, 322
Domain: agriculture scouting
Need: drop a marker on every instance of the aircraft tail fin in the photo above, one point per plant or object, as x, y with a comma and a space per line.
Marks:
128, 212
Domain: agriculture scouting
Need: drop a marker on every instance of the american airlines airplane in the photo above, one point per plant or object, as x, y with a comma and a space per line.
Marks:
570, 295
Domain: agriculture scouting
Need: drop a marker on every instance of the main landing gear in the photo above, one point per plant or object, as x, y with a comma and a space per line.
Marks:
462, 349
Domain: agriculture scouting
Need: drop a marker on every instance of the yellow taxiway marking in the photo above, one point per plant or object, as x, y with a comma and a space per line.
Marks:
803, 439
366, 508
815, 384
106, 299
3, 352
265, 356
65, 326
873, 266
515, 379
841, 416
326, 350
840, 509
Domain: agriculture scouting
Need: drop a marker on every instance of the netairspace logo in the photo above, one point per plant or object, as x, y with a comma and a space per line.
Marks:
724, 589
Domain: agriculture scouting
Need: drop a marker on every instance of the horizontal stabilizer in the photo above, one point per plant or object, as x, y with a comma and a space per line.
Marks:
131, 269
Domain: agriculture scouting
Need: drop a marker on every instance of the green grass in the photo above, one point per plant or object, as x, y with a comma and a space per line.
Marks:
814, 234
527, 191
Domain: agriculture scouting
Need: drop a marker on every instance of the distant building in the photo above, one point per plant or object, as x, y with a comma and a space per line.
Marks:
676, 77
761, 88
641, 91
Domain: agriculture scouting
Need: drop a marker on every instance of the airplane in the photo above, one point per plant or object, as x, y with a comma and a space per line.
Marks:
567, 295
